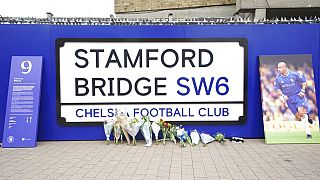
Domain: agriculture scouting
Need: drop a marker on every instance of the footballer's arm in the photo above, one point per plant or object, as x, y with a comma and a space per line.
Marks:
303, 89
280, 94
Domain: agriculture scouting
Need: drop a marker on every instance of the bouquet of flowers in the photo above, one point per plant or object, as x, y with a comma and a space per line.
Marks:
108, 125
164, 126
122, 119
195, 137
155, 128
116, 132
182, 136
121, 136
133, 128
146, 130
172, 131
206, 138
188, 137
219, 137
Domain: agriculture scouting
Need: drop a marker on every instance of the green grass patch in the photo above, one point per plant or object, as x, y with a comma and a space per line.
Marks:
291, 137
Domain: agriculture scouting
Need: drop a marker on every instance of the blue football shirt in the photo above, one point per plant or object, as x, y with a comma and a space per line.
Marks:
290, 84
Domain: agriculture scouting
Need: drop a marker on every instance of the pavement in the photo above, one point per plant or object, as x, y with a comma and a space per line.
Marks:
95, 160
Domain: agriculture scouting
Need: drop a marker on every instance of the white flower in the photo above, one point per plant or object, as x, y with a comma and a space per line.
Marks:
155, 128
146, 131
133, 127
108, 125
206, 138
180, 132
195, 137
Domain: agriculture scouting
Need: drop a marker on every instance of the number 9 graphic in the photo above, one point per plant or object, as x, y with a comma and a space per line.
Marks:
26, 67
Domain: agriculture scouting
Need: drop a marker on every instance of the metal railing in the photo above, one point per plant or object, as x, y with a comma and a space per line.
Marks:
153, 21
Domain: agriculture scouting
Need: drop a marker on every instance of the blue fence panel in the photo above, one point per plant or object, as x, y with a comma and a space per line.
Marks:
40, 40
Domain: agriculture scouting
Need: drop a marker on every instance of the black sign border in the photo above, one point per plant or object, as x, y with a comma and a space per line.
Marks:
243, 42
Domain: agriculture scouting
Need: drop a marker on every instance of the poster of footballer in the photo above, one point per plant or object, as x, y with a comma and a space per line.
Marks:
289, 105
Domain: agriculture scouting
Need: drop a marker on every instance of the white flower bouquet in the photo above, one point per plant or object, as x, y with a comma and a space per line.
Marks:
206, 138
195, 137
116, 132
133, 128
122, 119
108, 125
181, 136
145, 129
155, 129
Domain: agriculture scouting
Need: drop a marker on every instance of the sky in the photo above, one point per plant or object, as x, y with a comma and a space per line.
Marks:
59, 8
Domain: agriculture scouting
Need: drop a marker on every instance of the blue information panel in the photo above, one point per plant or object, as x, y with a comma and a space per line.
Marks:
21, 122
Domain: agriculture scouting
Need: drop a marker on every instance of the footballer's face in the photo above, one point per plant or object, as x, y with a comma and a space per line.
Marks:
282, 68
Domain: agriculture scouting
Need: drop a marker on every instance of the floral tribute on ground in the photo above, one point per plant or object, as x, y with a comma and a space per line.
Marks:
122, 125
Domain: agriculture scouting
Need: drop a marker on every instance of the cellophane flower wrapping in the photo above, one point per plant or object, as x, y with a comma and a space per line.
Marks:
122, 118
133, 128
181, 136
156, 129
188, 137
219, 137
206, 138
146, 130
195, 137
116, 131
172, 133
164, 126
108, 125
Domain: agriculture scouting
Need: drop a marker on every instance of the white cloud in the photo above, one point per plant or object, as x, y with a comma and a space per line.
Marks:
59, 8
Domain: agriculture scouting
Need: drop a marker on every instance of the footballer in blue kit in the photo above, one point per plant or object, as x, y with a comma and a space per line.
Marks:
291, 87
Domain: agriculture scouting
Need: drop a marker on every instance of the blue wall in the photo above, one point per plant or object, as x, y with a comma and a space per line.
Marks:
40, 40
